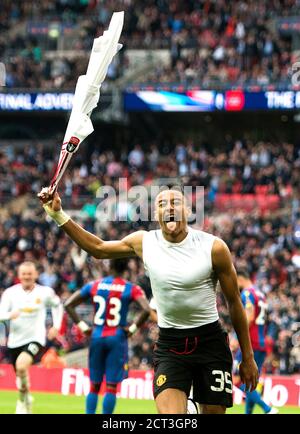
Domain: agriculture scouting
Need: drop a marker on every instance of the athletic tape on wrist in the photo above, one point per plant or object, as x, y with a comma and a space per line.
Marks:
133, 328
83, 326
60, 217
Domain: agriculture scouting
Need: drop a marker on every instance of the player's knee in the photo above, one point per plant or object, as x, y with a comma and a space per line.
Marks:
111, 388
23, 363
171, 401
212, 409
21, 370
95, 388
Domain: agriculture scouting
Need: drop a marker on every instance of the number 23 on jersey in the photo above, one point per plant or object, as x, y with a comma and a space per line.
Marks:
108, 311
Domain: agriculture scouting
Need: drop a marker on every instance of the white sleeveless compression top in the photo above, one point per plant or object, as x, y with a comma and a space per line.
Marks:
182, 279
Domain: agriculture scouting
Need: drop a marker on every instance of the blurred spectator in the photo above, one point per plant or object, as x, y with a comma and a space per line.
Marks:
247, 167
210, 42
51, 359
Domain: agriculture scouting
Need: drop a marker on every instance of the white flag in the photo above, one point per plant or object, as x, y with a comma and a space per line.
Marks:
87, 94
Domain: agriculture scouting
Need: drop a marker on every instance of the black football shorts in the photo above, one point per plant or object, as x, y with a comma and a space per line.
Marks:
200, 357
34, 349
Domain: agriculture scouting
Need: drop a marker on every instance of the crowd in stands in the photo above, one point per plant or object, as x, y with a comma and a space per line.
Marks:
210, 42
240, 167
267, 244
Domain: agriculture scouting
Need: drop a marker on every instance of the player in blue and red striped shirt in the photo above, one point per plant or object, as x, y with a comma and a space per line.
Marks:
255, 305
108, 353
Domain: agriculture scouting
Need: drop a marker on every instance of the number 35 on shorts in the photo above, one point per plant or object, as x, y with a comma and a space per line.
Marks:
222, 381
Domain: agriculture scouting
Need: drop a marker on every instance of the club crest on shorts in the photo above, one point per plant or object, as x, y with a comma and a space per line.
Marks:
161, 380
72, 144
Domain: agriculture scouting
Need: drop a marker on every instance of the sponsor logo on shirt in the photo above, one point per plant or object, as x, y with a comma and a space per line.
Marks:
111, 287
28, 309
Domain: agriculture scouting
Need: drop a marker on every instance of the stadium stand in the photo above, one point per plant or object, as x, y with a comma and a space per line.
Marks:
207, 43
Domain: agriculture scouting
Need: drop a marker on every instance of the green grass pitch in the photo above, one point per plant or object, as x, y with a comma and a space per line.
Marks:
52, 403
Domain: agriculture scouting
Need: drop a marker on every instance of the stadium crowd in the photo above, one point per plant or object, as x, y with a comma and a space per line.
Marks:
241, 167
268, 243
209, 42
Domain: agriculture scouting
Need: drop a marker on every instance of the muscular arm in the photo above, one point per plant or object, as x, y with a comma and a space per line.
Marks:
250, 313
153, 316
131, 245
144, 305
223, 266
71, 303
141, 318
128, 246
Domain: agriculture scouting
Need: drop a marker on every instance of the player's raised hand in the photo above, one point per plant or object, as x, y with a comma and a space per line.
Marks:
52, 201
52, 205
249, 374
127, 332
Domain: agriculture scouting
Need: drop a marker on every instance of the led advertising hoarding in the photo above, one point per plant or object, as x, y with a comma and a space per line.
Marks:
210, 100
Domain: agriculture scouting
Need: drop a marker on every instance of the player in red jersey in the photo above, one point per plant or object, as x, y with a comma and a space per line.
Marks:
108, 354
255, 304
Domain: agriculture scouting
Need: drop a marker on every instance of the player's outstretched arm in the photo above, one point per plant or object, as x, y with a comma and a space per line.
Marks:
128, 246
224, 268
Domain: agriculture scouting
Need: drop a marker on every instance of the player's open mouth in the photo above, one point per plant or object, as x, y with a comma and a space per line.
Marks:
171, 222
170, 218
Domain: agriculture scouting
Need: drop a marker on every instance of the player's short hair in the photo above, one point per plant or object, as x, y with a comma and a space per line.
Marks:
27, 264
118, 265
243, 272
171, 187
177, 186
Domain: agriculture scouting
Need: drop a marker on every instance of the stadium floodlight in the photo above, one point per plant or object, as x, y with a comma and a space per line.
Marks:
87, 94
